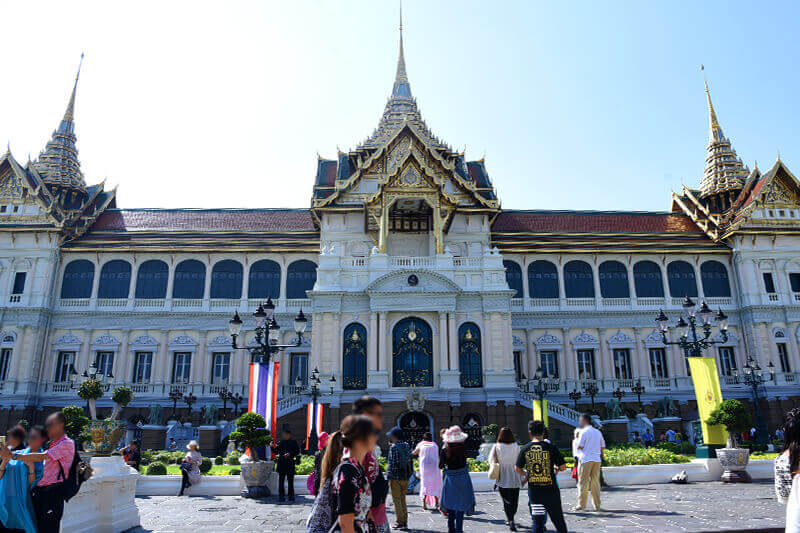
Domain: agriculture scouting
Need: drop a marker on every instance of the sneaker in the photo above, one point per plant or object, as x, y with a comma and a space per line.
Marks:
577, 508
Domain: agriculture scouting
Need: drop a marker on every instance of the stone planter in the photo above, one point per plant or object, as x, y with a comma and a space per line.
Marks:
256, 477
105, 436
734, 462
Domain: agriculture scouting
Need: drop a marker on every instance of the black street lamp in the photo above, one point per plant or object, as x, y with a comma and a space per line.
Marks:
92, 372
313, 389
225, 395
690, 342
189, 400
267, 332
753, 376
575, 396
236, 399
541, 384
175, 396
638, 390
591, 389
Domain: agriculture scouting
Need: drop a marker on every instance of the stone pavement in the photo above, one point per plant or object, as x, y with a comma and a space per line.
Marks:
640, 508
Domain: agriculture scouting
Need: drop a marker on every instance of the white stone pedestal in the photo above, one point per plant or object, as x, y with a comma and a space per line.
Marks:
378, 380
105, 503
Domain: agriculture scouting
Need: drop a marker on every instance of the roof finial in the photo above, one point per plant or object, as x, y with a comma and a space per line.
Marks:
71, 104
779, 156
401, 87
711, 113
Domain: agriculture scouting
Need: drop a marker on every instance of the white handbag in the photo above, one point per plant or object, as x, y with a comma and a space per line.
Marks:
494, 466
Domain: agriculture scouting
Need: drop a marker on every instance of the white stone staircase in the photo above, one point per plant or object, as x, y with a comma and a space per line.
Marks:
556, 411
289, 404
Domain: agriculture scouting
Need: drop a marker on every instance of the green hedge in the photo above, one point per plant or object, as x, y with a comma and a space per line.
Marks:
306, 465
218, 460
233, 458
685, 448
156, 469
633, 455
205, 465
235, 471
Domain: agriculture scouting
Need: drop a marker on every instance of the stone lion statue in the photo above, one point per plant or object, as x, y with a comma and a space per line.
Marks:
614, 409
156, 415
209, 415
666, 407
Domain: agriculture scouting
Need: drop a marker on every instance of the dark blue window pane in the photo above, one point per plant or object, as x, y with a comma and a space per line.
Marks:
647, 280
578, 280
151, 280
354, 363
680, 275
265, 280
190, 280
412, 362
715, 279
613, 280
115, 279
300, 277
78, 279
469, 355
514, 278
543, 280
226, 279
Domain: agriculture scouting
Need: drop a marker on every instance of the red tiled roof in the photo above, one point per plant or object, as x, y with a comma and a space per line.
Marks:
593, 222
275, 220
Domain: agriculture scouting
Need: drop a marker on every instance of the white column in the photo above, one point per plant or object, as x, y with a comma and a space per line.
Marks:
453, 342
170, 278
164, 357
631, 283
284, 274
570, 369
641, 356
596, 281
382, 352
373, 342
83, 357
605, 366
794, 354
443, 360
123, 371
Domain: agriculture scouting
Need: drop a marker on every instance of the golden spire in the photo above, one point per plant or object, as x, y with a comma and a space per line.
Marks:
401, 87
712, 115
71, 105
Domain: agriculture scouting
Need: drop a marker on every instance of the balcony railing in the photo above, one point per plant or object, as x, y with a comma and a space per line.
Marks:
182, 304
412, 262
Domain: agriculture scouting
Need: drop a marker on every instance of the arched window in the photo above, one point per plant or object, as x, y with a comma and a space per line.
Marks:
115, 279
226, 279
300, 277
613, 280
578, 280
78, 279
190, 280
715, 279
151, 280
354, 358
412, 362
542, 280
514, 278
681, 279
647, 280
265, 280
469, 355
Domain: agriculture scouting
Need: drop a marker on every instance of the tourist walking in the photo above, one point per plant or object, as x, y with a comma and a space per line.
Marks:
399, 468
16, 480
48, 496
787, 470
190, 466
505, 453
591, 445
322, 443
372, 408
350, 489
458, 495
286, 453
429, 472
538, 461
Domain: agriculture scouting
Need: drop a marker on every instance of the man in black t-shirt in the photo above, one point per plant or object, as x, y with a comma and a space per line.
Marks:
538, 461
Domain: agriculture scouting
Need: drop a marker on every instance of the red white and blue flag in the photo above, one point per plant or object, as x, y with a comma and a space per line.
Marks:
309, 418
263, 398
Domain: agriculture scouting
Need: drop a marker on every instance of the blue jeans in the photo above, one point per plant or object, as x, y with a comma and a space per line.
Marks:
455, 521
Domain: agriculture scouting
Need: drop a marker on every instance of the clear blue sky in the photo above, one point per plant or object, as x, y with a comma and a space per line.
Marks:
577, 105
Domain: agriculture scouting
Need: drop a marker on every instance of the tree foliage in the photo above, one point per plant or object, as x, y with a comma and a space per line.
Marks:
76, 422
251, 432
734, 416
91, 389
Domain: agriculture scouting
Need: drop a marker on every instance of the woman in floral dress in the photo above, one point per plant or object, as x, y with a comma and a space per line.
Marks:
350, 489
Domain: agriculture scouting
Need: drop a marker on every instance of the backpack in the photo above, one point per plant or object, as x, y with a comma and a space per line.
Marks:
321, 519
79, 472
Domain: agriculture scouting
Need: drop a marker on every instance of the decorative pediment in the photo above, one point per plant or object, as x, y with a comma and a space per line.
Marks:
68, 339
144, 340
585, 338
8, 337
221, 340
779, 333
413, 281
732, 338
106, 340
620, 338
654, 338
518, 343
183, 340
10, 186
549, 340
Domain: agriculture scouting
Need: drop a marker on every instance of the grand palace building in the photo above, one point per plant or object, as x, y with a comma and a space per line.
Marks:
420, 289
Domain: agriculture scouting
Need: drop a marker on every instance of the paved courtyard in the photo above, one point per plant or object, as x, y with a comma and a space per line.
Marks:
640, 508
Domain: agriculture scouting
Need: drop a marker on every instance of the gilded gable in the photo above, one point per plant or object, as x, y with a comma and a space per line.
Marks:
10, 186
778, 194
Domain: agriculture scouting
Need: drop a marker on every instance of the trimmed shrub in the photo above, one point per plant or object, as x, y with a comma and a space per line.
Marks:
163, 457
306, 465
235, 471
176, 458
205, 466
233, 458
156, 469
619, 456
218, 460
477, 466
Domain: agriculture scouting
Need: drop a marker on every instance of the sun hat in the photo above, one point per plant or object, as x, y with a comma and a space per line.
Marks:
192, 443
454, 434
322, 439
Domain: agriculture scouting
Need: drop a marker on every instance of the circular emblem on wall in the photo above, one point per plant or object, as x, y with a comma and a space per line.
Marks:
709, 396
413, 280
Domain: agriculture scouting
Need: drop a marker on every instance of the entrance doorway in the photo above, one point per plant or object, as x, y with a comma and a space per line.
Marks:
412, 360
414, 425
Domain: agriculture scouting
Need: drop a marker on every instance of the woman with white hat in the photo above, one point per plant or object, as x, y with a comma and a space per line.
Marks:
190, 467
458, 495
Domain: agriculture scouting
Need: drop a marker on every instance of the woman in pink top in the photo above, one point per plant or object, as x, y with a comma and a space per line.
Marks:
429, 472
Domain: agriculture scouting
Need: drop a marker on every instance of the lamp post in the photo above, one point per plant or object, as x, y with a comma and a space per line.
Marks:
189, 400
591, 390
692, 343
175, 396
575, 396
753, 376
225, 395
92, 372
619, 394
236, 399
267, 333
638, 390
541, 382
313, 388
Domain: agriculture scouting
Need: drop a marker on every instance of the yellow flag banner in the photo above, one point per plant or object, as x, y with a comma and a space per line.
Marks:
709, 396
540, 411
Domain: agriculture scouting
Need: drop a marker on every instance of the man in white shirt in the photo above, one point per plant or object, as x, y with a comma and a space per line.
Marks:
591, 445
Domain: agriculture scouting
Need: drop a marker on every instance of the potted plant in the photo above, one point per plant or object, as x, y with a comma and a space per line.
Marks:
91, 390
121, 397
104, 435
252, 434
733, 415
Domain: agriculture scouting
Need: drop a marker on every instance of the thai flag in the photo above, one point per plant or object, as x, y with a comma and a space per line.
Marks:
263, 398
310, 413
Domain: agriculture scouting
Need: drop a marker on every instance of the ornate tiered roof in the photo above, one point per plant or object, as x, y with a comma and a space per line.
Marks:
724, 171
58, 164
